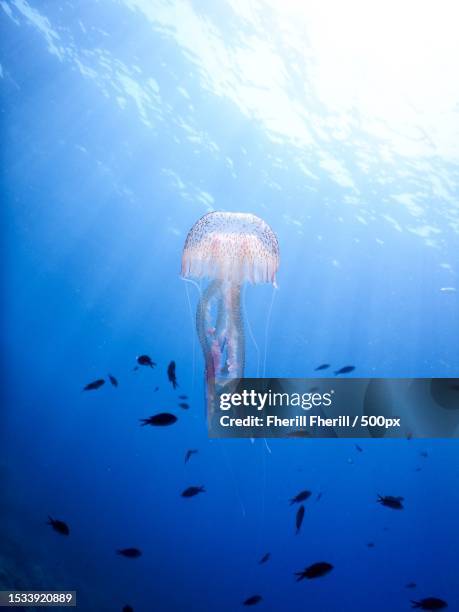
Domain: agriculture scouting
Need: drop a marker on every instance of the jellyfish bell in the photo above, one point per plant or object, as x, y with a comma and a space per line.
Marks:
232, 247
227, 249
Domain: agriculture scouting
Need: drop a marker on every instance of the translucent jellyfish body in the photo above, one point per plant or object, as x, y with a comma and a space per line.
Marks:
227, 249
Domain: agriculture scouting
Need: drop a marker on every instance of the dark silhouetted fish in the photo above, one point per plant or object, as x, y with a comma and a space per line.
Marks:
429, 603
183, 397
371, 544
192, 491
345, 370
145, 360
251, 601
189, 454
391, 502
299, 519
184, 405
424, 454
156, 389
96, 384
301, 496
59, 526
316, 570
127, 609
161, 419
129, 553
264, 558
359, 448
113, 380
319, 495
323, 366
410, 585
171, 375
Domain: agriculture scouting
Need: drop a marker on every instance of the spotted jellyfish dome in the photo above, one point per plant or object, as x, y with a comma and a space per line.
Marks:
235, 247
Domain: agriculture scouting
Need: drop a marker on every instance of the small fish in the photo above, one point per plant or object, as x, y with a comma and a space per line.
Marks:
145, 360
410, 585
299, 519
323, 366
183, 397
155, 389
127, 608
345, 370
171, 375
251, 601
184, 405
192, 491
316, 570
429, 603
301, 496
370, 544
129, 553
59, 526
113, 380
319, 495
424, 454
189, 454
264, 558
160, 419
391, 502
96, 384
359, 448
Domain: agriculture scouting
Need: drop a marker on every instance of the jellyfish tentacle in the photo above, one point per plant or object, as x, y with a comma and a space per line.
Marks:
267, 328
207, 335
222, 341
220, 328
250, 330
235, 349
206, 330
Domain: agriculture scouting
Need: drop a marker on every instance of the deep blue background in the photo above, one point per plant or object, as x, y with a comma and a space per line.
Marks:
97, 200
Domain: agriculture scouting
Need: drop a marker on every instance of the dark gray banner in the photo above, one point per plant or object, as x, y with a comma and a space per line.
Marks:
335, 408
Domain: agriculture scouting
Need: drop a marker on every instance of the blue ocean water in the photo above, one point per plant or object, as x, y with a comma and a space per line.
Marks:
122, 124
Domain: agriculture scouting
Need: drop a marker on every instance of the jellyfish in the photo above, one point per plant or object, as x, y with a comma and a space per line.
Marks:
227, 249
